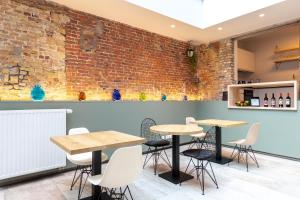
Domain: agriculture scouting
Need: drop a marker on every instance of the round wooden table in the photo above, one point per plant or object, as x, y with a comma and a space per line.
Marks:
176, 130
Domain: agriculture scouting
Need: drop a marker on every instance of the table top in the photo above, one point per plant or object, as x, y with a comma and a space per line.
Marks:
95, 141
176, 129
220, 123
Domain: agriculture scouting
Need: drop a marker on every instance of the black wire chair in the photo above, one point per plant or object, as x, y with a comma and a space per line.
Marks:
202, 158
155, 143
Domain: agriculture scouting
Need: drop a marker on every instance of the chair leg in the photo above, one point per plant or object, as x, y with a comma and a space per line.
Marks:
74, 181
247, 158
240, 151
254, 157
202, 173
188, 166
80, 183
129, 193
231, 156
146, 161
167, 161
235, 147
87, 172
201, 169
214, 177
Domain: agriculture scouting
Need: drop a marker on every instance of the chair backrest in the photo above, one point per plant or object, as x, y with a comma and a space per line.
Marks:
76, 131
124, 167
190, 121
145, 129
253, 133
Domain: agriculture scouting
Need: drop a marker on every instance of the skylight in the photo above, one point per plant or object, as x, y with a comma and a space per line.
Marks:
204, 13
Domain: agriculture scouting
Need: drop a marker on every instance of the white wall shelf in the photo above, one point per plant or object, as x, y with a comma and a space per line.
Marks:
236, 93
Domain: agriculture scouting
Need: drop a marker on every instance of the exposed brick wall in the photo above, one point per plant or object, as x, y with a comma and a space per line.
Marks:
31, 51
124, 57
46, 43
127, 58
216, 68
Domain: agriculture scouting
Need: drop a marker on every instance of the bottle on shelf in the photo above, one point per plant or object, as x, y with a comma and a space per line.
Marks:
280, 101
273, 101
266, 100
288, 101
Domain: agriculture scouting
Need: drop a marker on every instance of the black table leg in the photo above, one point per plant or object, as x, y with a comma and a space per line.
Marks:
219, 159
175, 156
96, 170
175, 176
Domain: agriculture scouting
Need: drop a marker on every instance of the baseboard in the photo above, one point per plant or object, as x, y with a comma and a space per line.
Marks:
269, 154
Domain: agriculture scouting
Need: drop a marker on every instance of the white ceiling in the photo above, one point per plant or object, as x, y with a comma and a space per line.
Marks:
202, 13
122, 11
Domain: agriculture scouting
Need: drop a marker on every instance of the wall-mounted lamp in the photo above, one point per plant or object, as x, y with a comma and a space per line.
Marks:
190, 52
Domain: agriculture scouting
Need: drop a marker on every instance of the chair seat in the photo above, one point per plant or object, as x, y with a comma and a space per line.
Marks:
199, 135
157, 143
84, 159
199, 154
95, 180
239, 142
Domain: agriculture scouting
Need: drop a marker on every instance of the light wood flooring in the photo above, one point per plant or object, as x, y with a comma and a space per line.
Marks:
275, 179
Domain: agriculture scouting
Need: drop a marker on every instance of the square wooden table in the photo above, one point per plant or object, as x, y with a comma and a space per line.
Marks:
218, 124
95, 142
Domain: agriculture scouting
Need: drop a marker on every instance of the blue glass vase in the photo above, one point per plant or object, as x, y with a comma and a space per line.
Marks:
164, 97
185, 98
37, 93
116, 95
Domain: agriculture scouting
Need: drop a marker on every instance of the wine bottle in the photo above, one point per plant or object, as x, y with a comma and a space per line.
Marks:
266, 100
288, 101
273, 101
280, 101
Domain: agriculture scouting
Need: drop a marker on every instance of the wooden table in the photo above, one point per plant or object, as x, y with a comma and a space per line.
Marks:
218, 124
95, 142
175, 176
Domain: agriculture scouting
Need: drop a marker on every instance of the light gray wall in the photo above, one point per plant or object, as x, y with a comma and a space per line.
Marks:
280, 130
263, 45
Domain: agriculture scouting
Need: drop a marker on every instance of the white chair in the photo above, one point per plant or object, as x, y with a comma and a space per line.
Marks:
83, 162
124, 167
197, 139
244, 146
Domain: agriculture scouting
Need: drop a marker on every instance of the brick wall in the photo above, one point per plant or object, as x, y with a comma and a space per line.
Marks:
31, 51
68, 51
215, 68
126, 58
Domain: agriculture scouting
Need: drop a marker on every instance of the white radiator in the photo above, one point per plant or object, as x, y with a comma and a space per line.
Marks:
25, 145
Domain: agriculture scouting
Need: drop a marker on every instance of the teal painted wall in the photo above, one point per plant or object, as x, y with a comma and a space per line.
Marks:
280, 131
121, 116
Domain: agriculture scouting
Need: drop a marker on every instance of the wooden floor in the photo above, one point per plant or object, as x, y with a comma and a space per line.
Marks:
275, 179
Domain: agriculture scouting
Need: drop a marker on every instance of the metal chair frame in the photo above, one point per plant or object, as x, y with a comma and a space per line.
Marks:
242, 152
83, 170
156, 153
117, 193
200, 167
207, 142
